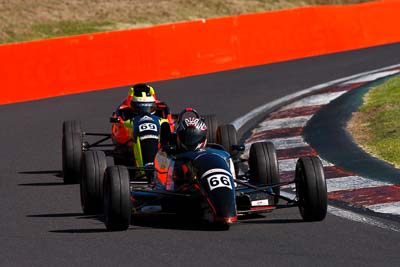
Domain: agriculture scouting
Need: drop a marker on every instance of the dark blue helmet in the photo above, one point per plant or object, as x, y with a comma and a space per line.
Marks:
191, 134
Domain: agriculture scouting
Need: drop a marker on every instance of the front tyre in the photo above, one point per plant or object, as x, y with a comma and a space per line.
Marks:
117, 204
311, 189
94, 165
71, 155
263, 165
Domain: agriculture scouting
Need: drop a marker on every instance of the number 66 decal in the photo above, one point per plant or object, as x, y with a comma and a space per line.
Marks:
219, 180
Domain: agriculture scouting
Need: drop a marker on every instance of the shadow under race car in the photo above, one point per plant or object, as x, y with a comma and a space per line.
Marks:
215, 191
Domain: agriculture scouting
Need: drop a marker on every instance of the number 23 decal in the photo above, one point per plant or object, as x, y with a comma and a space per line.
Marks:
147, 127
219, 180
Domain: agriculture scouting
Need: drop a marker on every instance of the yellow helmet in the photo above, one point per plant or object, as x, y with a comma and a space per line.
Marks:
143, 98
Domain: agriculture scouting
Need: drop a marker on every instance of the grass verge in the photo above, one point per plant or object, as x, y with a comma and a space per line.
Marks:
57, 28
376, 126
24, 20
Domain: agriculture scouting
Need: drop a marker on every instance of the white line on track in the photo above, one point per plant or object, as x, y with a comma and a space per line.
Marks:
289, 122
279, 144
315, 100
290, 164
391, 208
352, 216
241, 121
373, 77
352, 182
284, 143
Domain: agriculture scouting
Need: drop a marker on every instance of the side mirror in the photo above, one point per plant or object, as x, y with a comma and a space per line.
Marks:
115, 119
240, 148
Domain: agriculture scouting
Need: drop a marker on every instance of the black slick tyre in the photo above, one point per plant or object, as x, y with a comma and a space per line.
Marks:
71, 155
212, 125
263, 165
94, 165
311, 189
72, 127
227, 136
117, 205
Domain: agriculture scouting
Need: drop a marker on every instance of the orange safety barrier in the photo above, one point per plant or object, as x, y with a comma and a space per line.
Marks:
39, 69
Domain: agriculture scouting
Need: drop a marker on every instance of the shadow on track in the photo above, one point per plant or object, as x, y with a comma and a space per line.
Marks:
138, 223
273, 221
79, 231
172, 222
62, 215
77, 215
42, 184
56, 173
263, 219
164, 221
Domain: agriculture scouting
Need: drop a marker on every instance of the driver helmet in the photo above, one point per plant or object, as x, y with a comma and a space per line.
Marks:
142, 99
191, 134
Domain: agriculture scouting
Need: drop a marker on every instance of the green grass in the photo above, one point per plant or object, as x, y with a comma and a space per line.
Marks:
381, 116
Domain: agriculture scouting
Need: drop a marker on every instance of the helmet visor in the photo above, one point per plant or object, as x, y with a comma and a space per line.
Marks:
143, 107
191, 138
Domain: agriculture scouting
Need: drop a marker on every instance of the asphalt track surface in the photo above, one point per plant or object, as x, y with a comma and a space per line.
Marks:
42, 223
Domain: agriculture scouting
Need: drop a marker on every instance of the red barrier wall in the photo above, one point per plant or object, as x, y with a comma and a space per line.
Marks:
34, 70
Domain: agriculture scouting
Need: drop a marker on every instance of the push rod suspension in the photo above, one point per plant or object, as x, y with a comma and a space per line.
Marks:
265, 188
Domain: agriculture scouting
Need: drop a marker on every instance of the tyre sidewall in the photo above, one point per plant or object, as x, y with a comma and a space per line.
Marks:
311, 189
71, 157
117, 205
91, 186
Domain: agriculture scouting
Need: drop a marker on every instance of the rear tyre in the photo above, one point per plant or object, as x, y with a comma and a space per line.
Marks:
117, 204
227, 136
71, 154
311, 189
263, 165
212, 125
94, 165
